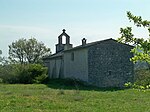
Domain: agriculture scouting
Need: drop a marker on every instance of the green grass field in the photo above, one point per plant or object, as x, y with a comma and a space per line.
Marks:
57, 97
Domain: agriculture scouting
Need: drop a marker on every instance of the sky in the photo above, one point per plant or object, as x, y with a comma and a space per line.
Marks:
44, 20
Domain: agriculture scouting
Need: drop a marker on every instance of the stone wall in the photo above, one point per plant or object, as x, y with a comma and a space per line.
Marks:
109, 64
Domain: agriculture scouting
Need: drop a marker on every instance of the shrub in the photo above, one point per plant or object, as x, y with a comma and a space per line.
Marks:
142, 77
40, 79
1, 80
26, 74
142, 80
33, 73
9, 73
135, 86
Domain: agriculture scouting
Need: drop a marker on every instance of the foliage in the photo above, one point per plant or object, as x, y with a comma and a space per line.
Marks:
142, 46
4, 61
1, 80
142, 52
27, 51
10, 73
126, 35
1, 59
27, 74
135, 86
138, 21
142, 79
41, 98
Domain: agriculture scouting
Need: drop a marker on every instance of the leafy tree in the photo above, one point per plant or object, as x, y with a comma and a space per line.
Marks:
1, 58
27, 51
141, 46
0, 55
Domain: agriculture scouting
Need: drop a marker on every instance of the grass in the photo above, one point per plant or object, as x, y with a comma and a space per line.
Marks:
59, 96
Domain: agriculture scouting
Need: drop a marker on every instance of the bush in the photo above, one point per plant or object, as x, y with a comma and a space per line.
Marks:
135, 86
9, 73
1, 80
142, 77
41, 79
26, 74
142, 80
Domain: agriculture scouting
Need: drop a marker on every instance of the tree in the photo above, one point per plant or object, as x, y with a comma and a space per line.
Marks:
27, 51
0, 56
141, 48
3, 60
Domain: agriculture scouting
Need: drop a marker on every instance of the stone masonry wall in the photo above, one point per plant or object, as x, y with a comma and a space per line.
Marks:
109, 64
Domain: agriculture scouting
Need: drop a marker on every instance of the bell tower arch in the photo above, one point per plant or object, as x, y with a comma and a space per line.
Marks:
63, 46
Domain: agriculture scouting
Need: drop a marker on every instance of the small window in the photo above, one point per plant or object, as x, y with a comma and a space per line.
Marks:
109, 72
72, 56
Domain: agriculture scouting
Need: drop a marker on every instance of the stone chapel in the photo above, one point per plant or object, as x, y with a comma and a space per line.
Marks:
104, 63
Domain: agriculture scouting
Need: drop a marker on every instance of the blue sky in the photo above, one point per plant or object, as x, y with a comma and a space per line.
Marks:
45, 19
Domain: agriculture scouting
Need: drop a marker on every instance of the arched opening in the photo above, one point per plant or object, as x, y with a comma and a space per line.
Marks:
63, 39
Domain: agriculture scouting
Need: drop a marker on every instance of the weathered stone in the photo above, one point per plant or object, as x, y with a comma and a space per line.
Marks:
109, 64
